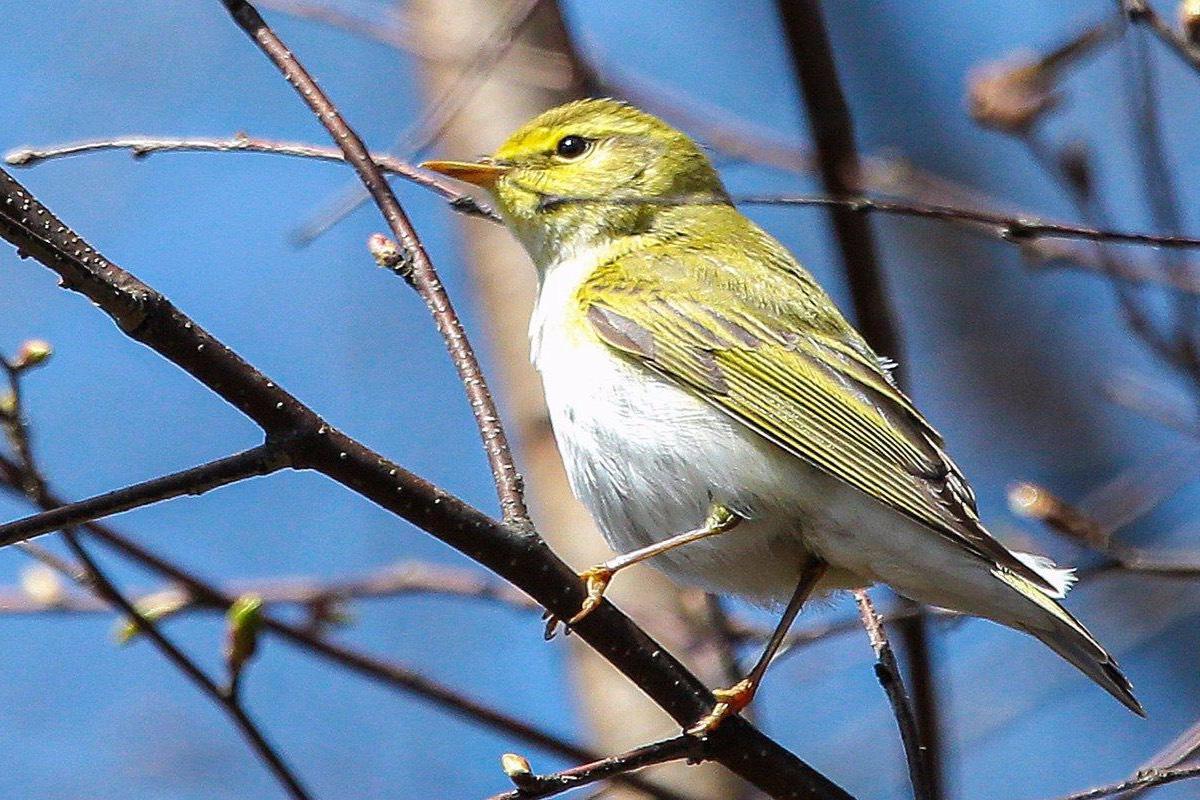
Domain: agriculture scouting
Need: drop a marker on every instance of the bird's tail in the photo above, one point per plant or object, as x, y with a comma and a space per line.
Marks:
1065, 635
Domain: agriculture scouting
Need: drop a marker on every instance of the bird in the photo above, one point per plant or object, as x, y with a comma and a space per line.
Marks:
717, 414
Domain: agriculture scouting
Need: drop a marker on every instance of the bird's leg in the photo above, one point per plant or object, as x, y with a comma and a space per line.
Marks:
720, 519
732, 700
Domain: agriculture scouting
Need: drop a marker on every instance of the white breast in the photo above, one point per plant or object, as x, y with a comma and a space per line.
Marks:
649, 459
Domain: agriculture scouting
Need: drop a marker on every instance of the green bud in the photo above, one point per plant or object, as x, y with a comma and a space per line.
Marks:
245, 621
153, 608
32, 353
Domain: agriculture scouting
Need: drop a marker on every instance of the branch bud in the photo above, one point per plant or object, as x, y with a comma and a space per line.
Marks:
245, 621
389, 255
154, 607
1037, 502
32, 353
518, 770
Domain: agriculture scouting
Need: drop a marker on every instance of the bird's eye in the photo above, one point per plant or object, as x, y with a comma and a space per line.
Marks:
572, 146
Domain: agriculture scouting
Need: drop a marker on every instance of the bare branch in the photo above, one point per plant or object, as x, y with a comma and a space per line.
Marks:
1010, 229
1019, 229
1145, 779
1139, 11
383, 671
261, 460
839, 166
142, 146
530, 785
888, 673
424, 276
514, 553
184, 664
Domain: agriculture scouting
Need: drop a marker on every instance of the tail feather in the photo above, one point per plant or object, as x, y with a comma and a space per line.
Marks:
1065, 635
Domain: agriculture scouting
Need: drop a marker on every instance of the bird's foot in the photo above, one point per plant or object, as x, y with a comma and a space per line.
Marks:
729, 702
597, 579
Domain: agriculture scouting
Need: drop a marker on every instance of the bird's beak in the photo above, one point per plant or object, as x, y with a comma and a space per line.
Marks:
478, 173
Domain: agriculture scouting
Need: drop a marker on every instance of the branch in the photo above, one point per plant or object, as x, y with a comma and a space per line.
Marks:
532, 65
142, 146
227, 700
888, 673
261, 460
1008, 228
531, 786
423, 275
1139, 11
1018, 229
1145, 779
382, 671
26, 479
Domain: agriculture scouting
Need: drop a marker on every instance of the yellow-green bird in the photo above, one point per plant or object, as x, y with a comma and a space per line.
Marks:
716, 412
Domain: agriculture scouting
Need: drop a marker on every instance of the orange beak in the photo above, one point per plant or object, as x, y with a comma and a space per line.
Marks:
476, 173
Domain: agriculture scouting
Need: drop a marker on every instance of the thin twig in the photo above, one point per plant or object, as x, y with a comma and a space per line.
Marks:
184, 664
29, 481
423, 275
1019, 229
1012, 229
1145, 779
441, 112
888, 673
530, 785
1139, 11
532, 65
142, 146
261, 460
386, 672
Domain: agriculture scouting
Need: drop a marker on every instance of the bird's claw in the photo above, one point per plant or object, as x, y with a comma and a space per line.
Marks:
597, 579
729, 702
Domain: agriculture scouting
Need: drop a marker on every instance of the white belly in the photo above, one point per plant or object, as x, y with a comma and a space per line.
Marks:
649, 460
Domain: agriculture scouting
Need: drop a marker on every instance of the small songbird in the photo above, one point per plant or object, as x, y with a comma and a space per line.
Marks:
716, 412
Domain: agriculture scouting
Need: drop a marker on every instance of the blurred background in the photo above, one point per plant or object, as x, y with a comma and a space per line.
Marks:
1025, 361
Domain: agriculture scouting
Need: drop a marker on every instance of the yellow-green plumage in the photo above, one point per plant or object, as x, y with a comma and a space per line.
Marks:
688, 360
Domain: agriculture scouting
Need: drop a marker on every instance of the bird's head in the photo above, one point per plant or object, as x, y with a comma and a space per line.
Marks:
587, 169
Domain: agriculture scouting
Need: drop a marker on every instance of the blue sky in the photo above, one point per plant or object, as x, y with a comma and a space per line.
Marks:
1007, 362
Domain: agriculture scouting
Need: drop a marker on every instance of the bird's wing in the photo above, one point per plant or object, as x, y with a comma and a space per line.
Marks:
816, 391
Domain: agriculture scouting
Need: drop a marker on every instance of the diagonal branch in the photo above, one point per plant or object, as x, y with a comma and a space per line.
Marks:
388, 673
888, 673
261, 460
423, 275
226, 699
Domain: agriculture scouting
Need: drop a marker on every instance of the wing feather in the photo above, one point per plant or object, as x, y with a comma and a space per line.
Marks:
816, 391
